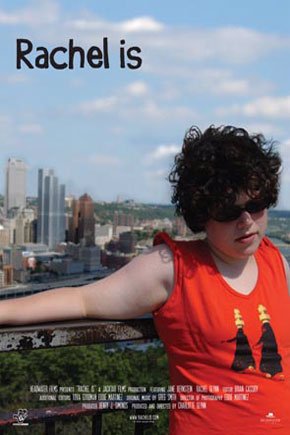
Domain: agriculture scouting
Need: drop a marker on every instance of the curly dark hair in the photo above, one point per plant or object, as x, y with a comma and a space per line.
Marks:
215, 166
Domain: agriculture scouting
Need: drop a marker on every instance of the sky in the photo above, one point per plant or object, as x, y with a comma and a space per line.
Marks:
114, 132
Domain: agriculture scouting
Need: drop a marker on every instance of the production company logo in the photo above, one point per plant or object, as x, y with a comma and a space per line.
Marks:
21, 416
270, 418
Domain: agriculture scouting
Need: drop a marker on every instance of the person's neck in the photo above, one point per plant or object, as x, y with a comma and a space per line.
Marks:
227, 260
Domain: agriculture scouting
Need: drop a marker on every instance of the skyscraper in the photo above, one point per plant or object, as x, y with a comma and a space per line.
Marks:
82, 221
73, 233
51, 210
86, 220
15, 194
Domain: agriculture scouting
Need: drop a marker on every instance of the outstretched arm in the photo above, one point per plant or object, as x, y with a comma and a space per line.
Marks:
138, 288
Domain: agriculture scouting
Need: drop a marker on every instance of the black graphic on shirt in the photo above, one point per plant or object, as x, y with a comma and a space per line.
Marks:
270, 362
243, 359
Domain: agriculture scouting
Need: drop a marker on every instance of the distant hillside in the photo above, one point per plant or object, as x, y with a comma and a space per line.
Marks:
105, 211
279, 213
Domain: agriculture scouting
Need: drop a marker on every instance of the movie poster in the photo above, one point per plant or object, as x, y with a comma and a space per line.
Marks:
95, 100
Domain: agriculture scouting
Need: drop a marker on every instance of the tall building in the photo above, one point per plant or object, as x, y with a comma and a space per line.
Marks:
86, 220
73, 232
23, 226
51, 209
82, 221
15, 189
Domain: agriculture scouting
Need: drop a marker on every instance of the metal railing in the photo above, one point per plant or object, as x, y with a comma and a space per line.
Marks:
73, 333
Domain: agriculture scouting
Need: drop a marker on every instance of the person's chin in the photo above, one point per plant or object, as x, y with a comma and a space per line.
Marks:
248, 246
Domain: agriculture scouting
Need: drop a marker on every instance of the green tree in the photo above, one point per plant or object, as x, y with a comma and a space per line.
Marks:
81, 365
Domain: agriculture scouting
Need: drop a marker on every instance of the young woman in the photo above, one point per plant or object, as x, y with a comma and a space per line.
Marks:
221, 304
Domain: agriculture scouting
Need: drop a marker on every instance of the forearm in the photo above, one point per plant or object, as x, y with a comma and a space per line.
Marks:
51, 305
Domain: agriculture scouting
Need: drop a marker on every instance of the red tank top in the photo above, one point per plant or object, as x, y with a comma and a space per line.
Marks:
229, 353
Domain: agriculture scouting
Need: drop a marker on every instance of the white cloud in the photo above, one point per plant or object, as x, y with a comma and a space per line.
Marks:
6, 18
223, 83
234, 45
122, 98
238, 44
211, 81
141, 24
104, 160
286, 143
13, 78
138, 24
155, 112
77, 82
34, 15
277, 107
242, 86
265, 107
86, 24
159, 174
31, 128
105, 104
137, 89
128, 108
268, 129
136, 101
235, 87
285, 153
163, 151
5, 120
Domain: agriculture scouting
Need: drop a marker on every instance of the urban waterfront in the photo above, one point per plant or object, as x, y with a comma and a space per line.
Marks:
279, 231
284, 248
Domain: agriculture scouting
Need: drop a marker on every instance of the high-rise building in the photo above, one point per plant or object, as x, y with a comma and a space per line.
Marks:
86, 220
73, 231
15, 189
23, 226
82, 221
69, 201
51, 210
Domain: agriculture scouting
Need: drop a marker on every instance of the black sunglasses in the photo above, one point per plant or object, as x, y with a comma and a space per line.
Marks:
234, 211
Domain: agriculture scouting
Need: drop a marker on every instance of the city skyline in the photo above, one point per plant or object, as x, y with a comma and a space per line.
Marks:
115, 131
73, 196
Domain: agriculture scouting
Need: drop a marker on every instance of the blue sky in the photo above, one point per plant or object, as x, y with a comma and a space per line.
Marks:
115, 132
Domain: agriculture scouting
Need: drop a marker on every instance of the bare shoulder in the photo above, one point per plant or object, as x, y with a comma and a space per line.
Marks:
158, 262
140, 287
